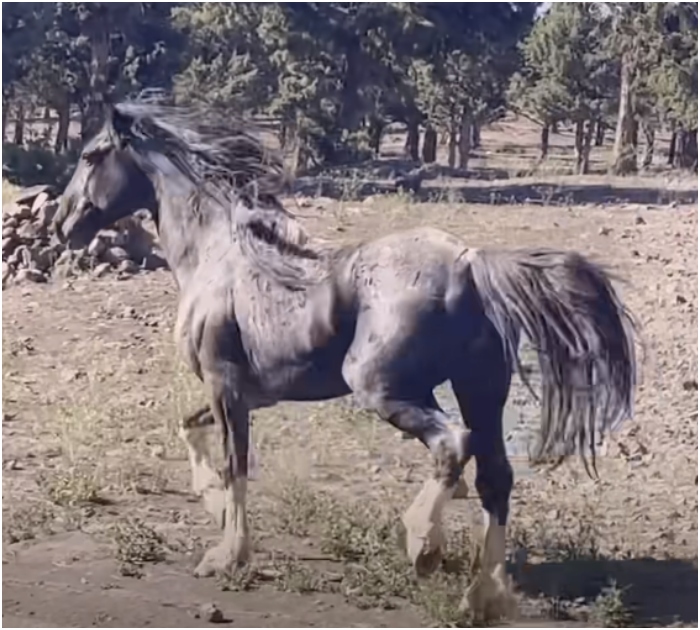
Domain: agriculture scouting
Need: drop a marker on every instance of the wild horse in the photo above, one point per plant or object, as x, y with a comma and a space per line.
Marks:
265, 315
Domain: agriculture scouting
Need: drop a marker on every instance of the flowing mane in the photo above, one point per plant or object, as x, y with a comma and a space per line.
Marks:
224, 157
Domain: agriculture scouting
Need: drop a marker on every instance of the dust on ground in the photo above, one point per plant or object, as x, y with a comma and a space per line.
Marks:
100, 529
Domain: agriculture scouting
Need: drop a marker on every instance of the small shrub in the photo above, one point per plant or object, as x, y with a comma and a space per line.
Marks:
609, 609
27, 166
73, 486
137, 544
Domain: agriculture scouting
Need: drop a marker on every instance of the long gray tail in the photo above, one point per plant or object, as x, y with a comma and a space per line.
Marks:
584, 337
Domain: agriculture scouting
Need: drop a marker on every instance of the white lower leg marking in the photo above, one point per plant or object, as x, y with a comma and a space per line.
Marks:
423, 523
234, 548
491, 587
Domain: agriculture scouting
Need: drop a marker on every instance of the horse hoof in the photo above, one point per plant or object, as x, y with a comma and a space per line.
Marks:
428, 562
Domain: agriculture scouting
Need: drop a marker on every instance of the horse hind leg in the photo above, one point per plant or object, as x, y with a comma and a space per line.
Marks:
489, 596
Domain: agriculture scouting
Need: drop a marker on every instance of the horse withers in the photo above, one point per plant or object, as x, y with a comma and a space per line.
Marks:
266, 315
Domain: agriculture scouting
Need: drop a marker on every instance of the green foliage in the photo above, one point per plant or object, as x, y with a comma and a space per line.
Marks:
567, 75
27, 166
333, 75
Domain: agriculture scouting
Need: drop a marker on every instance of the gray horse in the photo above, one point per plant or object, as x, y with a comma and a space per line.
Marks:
265, 315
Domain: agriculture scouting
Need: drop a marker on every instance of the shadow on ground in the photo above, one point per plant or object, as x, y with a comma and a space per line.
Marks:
556, 194
655, 591
545, 193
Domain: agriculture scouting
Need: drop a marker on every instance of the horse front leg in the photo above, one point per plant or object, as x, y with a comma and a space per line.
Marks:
202, 437
232, 414
449, 445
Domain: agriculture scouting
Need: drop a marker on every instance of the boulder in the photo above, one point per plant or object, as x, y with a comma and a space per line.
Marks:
26, 196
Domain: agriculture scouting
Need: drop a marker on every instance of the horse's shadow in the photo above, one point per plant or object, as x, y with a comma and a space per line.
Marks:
655, 591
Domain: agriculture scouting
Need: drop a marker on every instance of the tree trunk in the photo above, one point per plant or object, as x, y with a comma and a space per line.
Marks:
452, 144
412, 140
585, 164
624, 151
97, 32
351, 109
429, 144
555, 127
465, 139
649, 139
578, 146
599, 133
294, 143
476, 135
687, 149
376, 131
544, 142
283, 135
63, 111
19, 125
5, 108
672, 149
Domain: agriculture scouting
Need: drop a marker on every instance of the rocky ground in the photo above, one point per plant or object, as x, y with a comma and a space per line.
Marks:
32, 254
98, 524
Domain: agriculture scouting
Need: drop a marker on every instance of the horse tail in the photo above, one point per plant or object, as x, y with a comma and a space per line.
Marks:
583, 335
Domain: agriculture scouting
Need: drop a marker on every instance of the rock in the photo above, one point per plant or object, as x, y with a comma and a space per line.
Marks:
45, 215
28, 231
42, 257
9, 232
127, 267
154, 261
101, 270
39, 201
640, 221
604, 231
8, 245
116, 255
28, 195
6, 272
20, 213
65, 258
211, 613
30, 275
21, 257
10, 222
97, 247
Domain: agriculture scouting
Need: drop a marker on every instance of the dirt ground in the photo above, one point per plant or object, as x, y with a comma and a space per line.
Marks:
99, 527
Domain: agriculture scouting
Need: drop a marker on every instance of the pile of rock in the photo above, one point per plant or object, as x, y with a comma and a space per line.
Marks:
31, 252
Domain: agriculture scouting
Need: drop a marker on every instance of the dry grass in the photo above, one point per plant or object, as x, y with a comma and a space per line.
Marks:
8, 192
93, 393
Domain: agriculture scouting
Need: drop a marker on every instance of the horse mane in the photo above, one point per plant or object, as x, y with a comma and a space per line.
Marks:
225, 159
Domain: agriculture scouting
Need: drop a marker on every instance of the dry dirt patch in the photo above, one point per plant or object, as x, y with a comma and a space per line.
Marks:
99, 527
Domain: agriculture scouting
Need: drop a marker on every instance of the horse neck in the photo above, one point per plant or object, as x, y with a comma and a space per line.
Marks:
185, 234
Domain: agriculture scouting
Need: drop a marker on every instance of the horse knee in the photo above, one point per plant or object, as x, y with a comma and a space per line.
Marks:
451, 449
